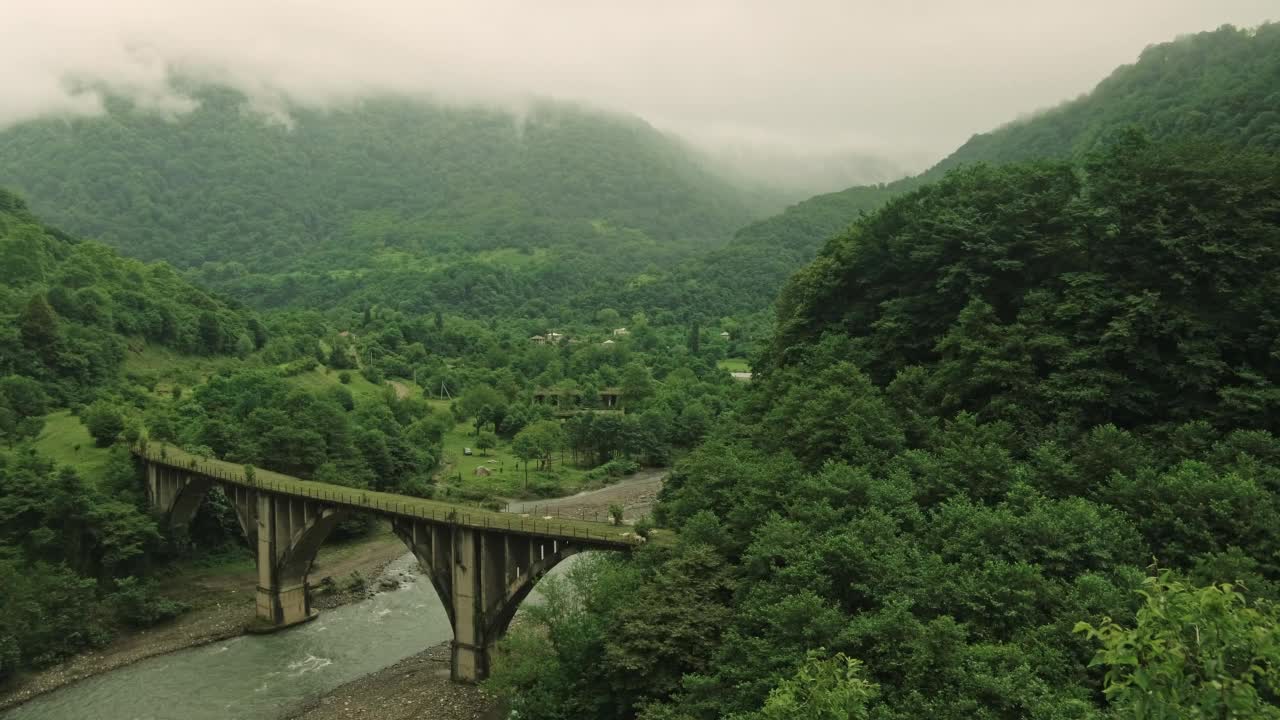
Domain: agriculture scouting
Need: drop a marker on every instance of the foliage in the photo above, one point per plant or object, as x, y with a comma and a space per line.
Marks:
985, 408
136, 603
435, 205
62, 544
104, 422
70, 308
1194, 653
831, 688
1137, 293
1218, 86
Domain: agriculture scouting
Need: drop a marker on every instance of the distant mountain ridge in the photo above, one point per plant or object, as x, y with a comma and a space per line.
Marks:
1222, 86
225, 184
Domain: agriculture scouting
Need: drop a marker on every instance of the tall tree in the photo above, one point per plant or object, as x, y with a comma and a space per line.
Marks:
38, 327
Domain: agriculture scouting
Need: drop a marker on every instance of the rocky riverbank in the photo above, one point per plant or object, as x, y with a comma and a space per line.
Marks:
416, 688
222, 607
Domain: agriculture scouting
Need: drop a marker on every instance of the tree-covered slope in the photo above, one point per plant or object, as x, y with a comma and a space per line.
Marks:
1141, 289
326, 189
1222, 86
997, 408
70, 308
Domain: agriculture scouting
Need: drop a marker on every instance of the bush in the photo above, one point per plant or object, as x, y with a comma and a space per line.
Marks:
298, 367
354, 584
104, 422
10, 654
344, 377
619, 467
644, 526
136, 604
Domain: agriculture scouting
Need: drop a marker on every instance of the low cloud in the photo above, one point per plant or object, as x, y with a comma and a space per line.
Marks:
907, 79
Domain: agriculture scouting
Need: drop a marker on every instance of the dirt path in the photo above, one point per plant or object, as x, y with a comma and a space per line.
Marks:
402, 390
636, 494
222, 601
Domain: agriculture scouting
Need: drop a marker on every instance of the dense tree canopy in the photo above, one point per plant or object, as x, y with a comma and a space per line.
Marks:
1138, 289
986, 408
390, 200
69, 309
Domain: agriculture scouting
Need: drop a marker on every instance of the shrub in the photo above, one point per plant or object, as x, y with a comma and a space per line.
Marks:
136, 604
104, 422
619, 467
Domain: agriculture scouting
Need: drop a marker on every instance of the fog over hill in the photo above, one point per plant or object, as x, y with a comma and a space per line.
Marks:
830, 78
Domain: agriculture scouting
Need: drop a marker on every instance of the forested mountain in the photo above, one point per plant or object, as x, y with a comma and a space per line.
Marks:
299, 209
69, 308
989, 407
1222, 86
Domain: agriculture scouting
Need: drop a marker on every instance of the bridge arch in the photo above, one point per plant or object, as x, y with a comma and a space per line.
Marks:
481, 576
482, 564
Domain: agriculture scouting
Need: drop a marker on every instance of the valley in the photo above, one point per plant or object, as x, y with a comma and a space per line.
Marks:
398, 405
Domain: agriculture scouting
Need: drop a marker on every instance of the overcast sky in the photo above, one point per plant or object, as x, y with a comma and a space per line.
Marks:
908, 78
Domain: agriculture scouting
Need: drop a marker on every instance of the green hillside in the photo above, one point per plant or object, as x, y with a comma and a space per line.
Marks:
1222, 86
994, 411
304, 209
70, 310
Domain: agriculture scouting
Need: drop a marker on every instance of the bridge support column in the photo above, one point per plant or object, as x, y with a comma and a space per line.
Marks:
481, 576
478, 592
290, 531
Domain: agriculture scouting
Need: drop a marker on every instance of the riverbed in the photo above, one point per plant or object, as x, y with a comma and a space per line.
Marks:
262, 676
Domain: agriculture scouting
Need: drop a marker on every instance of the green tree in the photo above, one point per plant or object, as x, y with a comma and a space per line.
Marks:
1196, 653
211, 335
104, 421
24, 396
38, 327
525, 447
482, 404
608, 317
823, 688
538, 441
636, 384
486, 442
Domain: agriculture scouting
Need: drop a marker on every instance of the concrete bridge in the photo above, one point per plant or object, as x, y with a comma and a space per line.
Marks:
482, 563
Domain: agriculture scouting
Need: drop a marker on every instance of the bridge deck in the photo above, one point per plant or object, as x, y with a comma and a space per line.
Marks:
391, 504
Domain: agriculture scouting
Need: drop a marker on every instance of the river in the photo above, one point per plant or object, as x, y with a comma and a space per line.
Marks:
254, 677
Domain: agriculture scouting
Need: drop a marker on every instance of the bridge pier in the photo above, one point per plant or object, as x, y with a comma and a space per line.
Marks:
481, 577
290, 531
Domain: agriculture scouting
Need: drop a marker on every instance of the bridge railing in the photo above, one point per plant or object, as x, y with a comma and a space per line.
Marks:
384, 502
